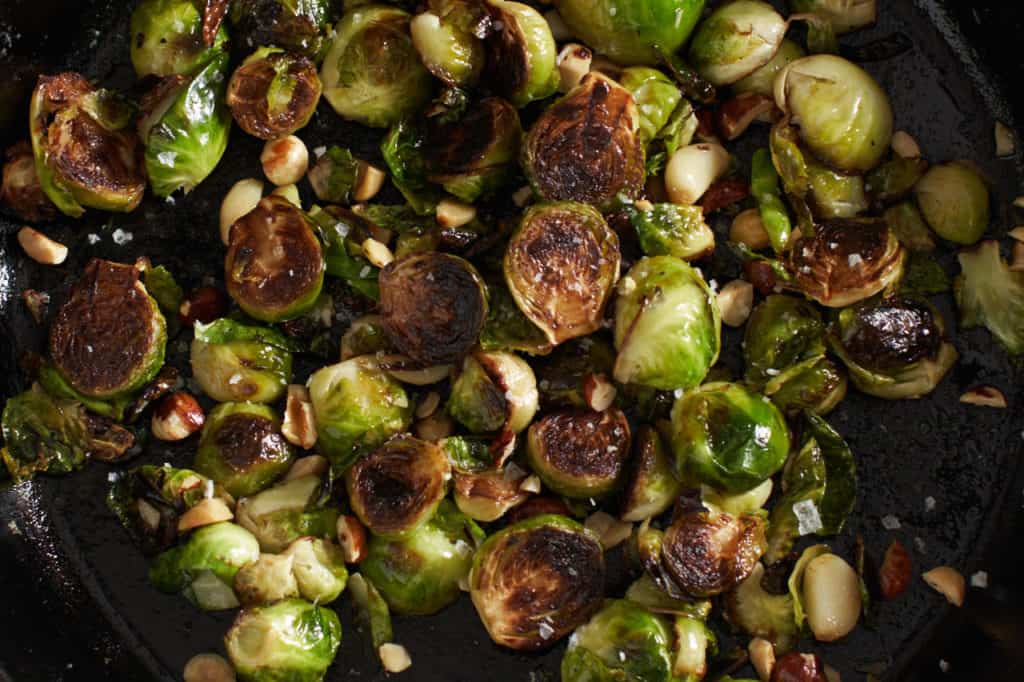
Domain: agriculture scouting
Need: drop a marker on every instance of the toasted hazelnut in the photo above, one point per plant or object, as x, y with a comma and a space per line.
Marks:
948, 582
285, 161
299, 426
177, 417
984, 396
905, 146
748, 228
573, 64
428, 405
599, 392
762, 657
243, 197
736, 300
206, 512
204, 304
452, 213
394, 657
311, 465
692, 170
531, 484
369, 180
351, 538
377, 253
208, 668
41, 248
1006, 141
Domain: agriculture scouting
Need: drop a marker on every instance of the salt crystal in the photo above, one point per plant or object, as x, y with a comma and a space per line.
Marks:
944, 665
236, 378
678, 393
890, 522
929, 503
93, 238
545, 631
208, 488
121, 237
364, 272
920, 546
167, 158
854, 259
807, 517
320, 151
980, 579
772, 372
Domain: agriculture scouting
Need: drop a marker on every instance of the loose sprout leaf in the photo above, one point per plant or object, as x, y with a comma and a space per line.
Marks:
656, 96
43, 435
372, 613
339, 256
680, 129
894, 180
764, 185
507, 328
802, 482
334, 176
161, 285
694, 86
907, 223
990, 294
226, 330
792, 169
925, 276
468, 454
672, 230
400, 218
402, 149
840, 476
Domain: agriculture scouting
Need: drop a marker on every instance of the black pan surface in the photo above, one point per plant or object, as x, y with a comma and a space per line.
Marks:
76, 604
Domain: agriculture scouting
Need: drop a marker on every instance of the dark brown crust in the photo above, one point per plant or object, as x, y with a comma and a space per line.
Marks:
708, 554
247, 95
245, 440
507, 66
102, 334
21, 190
583, 444
892, 334
538, 506
462, 146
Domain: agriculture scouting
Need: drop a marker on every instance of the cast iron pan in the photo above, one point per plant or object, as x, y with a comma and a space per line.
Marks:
76, 605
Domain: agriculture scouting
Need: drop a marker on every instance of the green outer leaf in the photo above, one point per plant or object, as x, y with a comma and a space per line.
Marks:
764, 185
226, 330
924, 276
340, 262
372, 613
56, 385
672, 230
161, 285
796, 580
402, 151
907, 223
507, 328
656, 97
803, 480
989, 293
42, 435
334, 176
840, 479
400, 218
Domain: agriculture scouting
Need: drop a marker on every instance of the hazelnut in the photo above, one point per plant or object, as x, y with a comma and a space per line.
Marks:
351, 538
177, 417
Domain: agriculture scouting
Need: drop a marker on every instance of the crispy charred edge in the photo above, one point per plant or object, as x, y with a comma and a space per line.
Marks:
508, 61
391, 489
107, 330
247, 440
273, 286
461, 146
585, 147
584, 445
250, 84
707, 554
213, 16
893, 333
433, 306
21, 189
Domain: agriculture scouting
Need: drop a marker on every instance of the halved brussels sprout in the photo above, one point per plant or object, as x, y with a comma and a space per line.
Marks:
560, 266
108, 338
653, 487
86, 153
762, 80
447, 39
372, 73
267, 580
954, 200
290, 510
843, 15
273, 93
894, 348
816, 385
357, 405
295, 26
242, 448
319, 569
781, 332
563, 375
672, 230
234, 362
843, 115
397, 488
667, 325
291, 640
167, 38
533, 582
494, 391
630, 32
433, 306
587, 147
759, 613
274, 268
728, 437
709, 553
487, 495
989, 293
21, 189
735, 40
521, 53
419, 574
657, 97
621, 641
846, 261
580, 454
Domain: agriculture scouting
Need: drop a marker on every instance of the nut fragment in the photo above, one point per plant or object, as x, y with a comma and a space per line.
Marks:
452, 213
608, 529
599, 392
299, 426
435, 427
243, 197
377, 253
985, 396
1019, 202
832, 600
206, 512
208, 668
948, 582
895, 573
748, 228
177, 417
1017, 264
531, 484
736, 300
573, 64
41, 248
394, 657
351, 538
291, 193
905, 146
36, 302
692, 170
311, 465
204, 304
762, 657
428, 405
1017, 233
369, 180
1006, 142
738, 113
285, 160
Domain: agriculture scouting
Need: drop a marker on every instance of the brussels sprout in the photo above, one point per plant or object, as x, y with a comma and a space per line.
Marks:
167, 38
894, 180
371, 611
667, 325
893, 348
760, 613
494, 391
645, 591
565, 373
906, 222
488, 495
781, 332
507, 328
295, 26
433, 306
218, 550
653, 486
234, 362
446, 38
319, 569
357, 405
267, 580
521, 53
372, 73
764, 185
954, 201
403, 151
843, 15
291, 640
835, 195
793, 169
846, 261
816, 385
843, 115
621, 641
708, 553
580, 454
273, 93
21, 189
274, 268
533, 582
632, 33
397, 488
728, 437
694, 642
343, 255
586, 147
735, 40
672, 230
86, 154
420, 573
108, 339
280, 515
762, 80
560, 266
989, 293
656, 97
242, 448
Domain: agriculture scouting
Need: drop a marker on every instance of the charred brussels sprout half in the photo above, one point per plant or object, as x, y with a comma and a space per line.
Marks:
446, 37
433, 306
295, 26
709, 553
521, 53
494, 391
167, 38
728, 437
274, 268
242, 448
535, 581
290, 640
653, 486
87, 155
954, 200
580, 454
560, 266
667, 325
587, 147
781, 332
372, 73
293, 509
397, 488
108, 339
273, 93
735, 40
234, 362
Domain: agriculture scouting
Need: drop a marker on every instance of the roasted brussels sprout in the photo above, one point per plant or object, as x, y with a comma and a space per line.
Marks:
727, 437
280, 515
816, 385
667, 325
234, 362
242, 448
894, 180
653, 486
433, 306
446, 37
781, 332
762, 80
587, 146
291, 640
632, 33
21, 190
580, 454
672, 230
273, 93
267, 580
108, 339
894, 348
319, 569
295, 26
656, 96
990, 293
843, 15
494, 391
86, 153
735, 40
533, 582
646, 592
561, 264
709, 553
356, 404
954, 200
167, 38
834, 195
420, 573
274, 268
521, 53
760, 613
843, 115
372, 73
